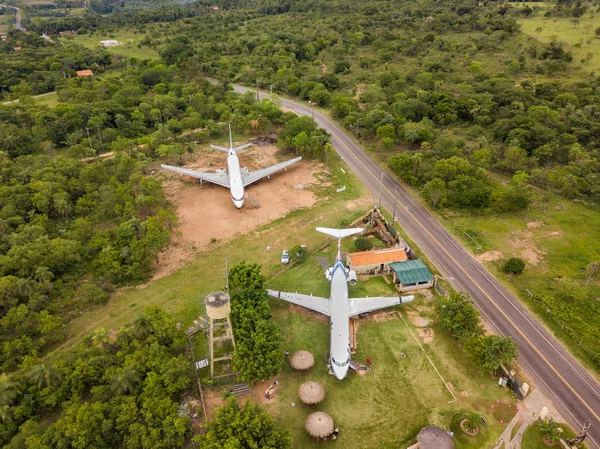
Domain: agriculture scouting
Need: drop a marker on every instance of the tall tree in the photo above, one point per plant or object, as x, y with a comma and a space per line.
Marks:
9, 389
246, 427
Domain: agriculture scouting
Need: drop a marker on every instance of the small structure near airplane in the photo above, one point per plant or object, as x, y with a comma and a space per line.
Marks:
235, 178
338, 306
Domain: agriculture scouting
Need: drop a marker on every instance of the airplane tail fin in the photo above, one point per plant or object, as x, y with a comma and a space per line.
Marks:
231, 147
339, 233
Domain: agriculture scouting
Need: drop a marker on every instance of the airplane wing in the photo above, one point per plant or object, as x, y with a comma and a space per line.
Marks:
254, 176
220, 178
363, 305
315, 303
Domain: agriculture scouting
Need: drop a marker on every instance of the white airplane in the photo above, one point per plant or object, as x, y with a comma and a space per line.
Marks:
235, 178
338, 306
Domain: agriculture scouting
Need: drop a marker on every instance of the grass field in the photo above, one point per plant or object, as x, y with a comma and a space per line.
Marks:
391, 403
557, 238
128, 39
50, 99
577, 37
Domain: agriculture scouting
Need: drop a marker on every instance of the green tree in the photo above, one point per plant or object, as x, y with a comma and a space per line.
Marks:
124, 381
363, 244
458, 315
435, 191
245, 427
514, 265
550, 429
490, 351
44, 375
9, 389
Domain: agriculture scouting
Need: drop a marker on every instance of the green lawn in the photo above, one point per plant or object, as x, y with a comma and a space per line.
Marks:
390, 404
128, 39
533, 436
578, 38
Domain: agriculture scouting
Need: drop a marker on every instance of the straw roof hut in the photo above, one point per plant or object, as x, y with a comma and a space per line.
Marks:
319, 425
302, 360
434, 438
311, 393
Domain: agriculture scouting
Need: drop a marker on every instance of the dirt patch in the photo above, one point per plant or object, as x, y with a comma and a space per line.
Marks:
553, 234
360, 89
382, 317
417, 320
212, 400
489, 256
535, 224
206, 214
525, 248
426, 334
323, 68
259, 389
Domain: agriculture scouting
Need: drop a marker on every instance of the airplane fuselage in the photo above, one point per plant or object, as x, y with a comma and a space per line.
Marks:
339, 349
236, 184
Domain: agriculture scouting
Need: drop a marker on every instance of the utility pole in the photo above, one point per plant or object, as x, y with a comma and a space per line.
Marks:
257, 99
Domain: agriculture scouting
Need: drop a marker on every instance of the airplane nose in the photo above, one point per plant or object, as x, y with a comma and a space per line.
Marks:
239, 204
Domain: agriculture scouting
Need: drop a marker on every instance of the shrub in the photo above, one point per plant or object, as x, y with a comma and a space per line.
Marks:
363, 244
514, 265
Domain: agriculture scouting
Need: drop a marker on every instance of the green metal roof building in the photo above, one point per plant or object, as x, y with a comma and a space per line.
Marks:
412, 275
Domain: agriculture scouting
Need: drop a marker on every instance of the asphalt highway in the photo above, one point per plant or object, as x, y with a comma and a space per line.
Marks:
573, 391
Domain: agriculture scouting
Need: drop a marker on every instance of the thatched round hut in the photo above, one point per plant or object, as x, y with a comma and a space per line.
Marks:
319, 425
434, 438
311, 393
302, 360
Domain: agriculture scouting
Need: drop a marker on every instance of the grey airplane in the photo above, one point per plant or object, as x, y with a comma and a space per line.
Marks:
339, 307
236, 177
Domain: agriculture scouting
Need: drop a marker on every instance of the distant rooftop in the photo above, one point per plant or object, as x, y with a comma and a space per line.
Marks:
378, 256
85, 73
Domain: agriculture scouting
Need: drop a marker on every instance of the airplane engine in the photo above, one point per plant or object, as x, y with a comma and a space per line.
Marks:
328, 274
352, 278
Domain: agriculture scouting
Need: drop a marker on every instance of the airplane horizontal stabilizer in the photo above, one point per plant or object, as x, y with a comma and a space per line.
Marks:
216, 147
241, 147
339, 233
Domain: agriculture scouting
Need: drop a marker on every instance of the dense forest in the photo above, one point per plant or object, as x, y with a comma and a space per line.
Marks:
109, 392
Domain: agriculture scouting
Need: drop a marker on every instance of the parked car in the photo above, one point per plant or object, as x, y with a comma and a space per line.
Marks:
285, 257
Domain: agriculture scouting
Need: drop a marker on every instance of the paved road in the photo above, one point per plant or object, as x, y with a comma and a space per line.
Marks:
574, 392
17, 19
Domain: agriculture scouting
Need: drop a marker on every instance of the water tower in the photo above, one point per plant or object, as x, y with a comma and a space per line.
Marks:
218, 308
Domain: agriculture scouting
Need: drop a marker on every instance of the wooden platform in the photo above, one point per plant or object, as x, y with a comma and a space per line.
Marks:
353, 330
241, 389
